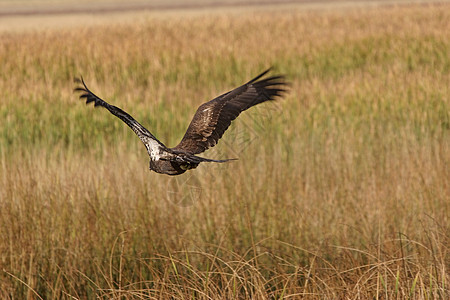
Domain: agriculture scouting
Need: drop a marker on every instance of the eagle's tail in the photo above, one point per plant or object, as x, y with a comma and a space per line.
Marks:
198, 159
216, 160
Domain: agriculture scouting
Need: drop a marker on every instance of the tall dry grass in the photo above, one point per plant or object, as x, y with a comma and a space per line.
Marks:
341, 189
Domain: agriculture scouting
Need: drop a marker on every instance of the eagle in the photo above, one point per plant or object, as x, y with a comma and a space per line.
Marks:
208, 125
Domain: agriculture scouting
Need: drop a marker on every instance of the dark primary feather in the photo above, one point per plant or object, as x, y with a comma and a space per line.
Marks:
214, 117
146, 137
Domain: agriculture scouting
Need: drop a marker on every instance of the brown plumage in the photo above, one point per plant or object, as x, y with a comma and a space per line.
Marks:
206, 128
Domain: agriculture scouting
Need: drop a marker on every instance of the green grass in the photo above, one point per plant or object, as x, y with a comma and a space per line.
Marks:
340, 190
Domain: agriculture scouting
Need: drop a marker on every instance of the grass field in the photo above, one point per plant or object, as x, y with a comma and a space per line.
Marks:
341, 190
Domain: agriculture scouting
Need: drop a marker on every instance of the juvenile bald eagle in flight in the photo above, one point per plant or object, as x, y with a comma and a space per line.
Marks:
206, 128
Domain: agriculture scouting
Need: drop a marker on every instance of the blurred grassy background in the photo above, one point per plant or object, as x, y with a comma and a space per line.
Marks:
341, 189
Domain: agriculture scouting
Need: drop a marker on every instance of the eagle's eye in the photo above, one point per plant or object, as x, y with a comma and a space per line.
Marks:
185, 167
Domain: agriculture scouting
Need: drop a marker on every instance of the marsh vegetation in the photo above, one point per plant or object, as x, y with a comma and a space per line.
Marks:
341, 189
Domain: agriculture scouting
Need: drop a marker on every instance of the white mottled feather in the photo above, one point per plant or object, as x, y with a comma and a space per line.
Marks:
153, 149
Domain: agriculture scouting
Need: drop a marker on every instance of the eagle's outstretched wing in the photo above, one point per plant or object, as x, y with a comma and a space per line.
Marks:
214, 117
154, 147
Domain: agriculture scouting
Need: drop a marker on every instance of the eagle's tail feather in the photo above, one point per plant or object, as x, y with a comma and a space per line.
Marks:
198, 159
